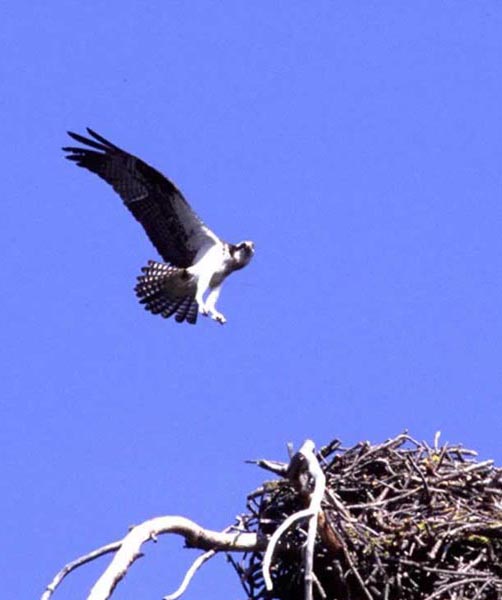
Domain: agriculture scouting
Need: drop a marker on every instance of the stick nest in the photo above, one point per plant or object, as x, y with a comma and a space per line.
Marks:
401, 521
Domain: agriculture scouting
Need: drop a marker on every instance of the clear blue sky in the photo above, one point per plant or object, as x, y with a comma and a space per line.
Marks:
357, 143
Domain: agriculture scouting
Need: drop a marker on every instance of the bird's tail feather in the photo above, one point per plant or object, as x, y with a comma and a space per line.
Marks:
166, 290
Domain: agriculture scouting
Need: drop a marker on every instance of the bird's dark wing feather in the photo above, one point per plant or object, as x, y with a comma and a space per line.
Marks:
172, 226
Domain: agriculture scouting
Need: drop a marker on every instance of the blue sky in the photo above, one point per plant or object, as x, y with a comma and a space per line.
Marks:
358, 145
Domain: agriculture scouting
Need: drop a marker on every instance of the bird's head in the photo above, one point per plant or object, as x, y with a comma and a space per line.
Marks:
242, 253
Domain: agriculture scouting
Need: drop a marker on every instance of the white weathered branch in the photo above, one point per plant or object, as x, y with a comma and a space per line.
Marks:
314, 468
312, 512
78, 562
196, 565
129, 549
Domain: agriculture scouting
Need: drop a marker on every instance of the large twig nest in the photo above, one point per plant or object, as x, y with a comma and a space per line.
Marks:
400, 521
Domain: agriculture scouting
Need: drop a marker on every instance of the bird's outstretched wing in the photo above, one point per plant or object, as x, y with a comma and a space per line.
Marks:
172, 226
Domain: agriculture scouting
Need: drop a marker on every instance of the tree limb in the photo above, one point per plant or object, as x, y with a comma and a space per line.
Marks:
129, 549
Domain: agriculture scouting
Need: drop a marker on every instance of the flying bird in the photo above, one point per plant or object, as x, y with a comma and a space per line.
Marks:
196, 260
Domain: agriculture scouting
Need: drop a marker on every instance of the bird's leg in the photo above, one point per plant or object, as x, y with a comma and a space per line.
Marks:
202, 285
210, 305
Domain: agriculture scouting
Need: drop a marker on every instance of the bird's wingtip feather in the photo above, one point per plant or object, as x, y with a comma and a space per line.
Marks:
73, 135
100, 138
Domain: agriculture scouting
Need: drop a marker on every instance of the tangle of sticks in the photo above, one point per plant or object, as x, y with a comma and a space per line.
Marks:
401, 520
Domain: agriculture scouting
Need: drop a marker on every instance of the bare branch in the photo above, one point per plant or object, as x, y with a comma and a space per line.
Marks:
129, 549
275, 466
195, 536
196, 565
314, 468
78, 562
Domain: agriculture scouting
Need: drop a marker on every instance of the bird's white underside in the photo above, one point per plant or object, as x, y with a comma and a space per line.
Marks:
209, 272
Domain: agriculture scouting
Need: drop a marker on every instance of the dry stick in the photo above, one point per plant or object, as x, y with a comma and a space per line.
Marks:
355, 570
312, 512
421, 475
482, 589
455, 584
472, 467
196, 565
319, 587
384, 502
449, 572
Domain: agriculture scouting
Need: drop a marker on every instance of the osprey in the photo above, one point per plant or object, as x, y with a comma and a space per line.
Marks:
196, 260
